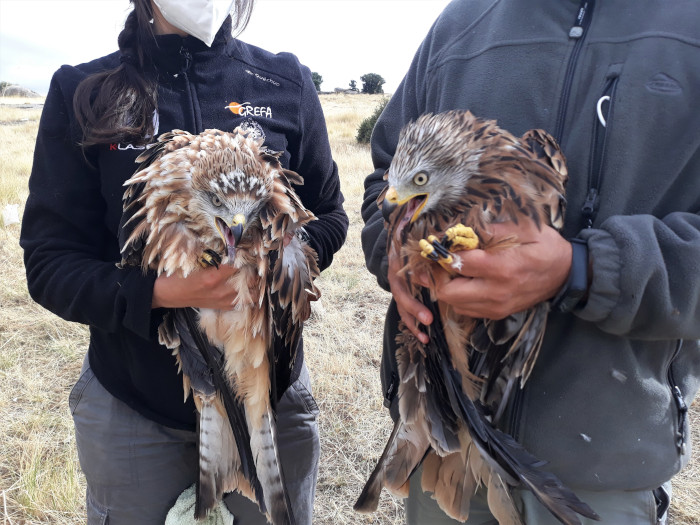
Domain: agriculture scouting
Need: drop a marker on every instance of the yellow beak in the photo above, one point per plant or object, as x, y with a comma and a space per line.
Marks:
391, 197
232, 231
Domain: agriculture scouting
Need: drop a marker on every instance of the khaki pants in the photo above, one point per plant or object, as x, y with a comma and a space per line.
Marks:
614, 508
136, 468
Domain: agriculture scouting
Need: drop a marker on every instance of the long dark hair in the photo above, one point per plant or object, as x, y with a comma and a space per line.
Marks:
118, 105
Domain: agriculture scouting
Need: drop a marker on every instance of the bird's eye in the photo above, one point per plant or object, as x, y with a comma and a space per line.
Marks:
216, 201
420, 178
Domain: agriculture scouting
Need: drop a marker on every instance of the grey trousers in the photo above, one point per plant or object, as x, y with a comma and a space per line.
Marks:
136, 469
614, 508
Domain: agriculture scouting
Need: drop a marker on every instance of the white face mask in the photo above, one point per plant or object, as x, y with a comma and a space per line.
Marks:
200, 18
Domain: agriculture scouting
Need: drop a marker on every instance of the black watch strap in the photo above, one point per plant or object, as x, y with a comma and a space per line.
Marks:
576, 286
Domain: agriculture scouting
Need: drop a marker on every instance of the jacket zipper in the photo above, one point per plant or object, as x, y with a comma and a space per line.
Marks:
601, 131
679, 400
195, 114
578, 31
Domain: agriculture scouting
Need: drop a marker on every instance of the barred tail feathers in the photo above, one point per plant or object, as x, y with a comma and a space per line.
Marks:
263, 442
219, 463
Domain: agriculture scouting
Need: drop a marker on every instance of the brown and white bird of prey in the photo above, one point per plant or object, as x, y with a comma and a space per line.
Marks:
452, 176
223, 198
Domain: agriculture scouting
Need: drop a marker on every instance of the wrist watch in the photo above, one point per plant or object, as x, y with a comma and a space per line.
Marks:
576, 286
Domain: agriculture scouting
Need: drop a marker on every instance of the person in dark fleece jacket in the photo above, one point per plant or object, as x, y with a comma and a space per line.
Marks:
617, 83
135, 436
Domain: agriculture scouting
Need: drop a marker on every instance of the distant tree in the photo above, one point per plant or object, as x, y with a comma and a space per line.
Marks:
353, 85
372, 83
364, 132
3, 85
317, 80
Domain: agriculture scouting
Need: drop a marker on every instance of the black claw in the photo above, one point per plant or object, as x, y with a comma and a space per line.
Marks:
214, 260
440, 249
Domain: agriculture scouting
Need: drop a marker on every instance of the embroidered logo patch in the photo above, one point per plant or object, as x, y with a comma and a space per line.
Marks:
664, 84
125, 147
245, 109
263, 78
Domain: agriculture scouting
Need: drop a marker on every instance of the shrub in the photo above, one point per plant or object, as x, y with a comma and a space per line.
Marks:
317, 79
364, 132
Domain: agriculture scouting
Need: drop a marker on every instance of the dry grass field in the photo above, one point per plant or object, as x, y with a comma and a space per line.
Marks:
40, 357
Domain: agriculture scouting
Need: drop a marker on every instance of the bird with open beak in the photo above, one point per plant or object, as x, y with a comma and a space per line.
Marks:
223, 198
453, 176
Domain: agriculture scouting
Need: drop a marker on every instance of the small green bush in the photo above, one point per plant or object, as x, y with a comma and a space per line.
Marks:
364, 132
317, 79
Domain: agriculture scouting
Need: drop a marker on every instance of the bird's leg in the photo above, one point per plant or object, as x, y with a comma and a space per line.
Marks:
210, 258
456, 238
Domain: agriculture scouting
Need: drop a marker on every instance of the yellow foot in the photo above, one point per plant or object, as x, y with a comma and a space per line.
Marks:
456, 238
210, 258
460, 237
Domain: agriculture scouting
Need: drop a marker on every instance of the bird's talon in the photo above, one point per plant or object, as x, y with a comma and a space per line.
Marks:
456, 238
434, 250
428, 251
460, 237
210, 258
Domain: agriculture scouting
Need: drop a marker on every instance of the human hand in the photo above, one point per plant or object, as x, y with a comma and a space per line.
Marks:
205, 288
410, 309
496, 283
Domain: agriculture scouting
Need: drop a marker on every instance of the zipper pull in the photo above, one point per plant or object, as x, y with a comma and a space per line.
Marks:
590, 207
578, 29
682, 411
599, 110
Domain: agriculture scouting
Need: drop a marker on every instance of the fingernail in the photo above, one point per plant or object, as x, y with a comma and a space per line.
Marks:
424, 318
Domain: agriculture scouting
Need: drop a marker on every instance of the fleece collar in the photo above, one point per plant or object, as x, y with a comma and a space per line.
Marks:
174, 53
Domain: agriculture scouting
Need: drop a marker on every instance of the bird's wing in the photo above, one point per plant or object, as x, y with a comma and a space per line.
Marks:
154, 200
504, 454
291, 290
293, 267
225, 458
532, 174
167, 142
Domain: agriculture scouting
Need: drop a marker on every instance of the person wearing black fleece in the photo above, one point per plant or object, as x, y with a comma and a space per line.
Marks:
135, 436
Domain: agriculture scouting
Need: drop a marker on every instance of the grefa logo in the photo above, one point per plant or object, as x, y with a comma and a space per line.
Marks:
245, 109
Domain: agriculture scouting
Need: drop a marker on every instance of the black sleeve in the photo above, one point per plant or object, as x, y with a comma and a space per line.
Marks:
311, 158
64, 236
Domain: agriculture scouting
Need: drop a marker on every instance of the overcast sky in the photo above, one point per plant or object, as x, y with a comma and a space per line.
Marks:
340, 39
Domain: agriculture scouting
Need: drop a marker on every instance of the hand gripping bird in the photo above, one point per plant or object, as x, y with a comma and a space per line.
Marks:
452, 176
223, 198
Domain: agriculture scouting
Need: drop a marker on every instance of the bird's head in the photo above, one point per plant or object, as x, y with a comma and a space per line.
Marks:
233, 184
431, 167
231, 204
